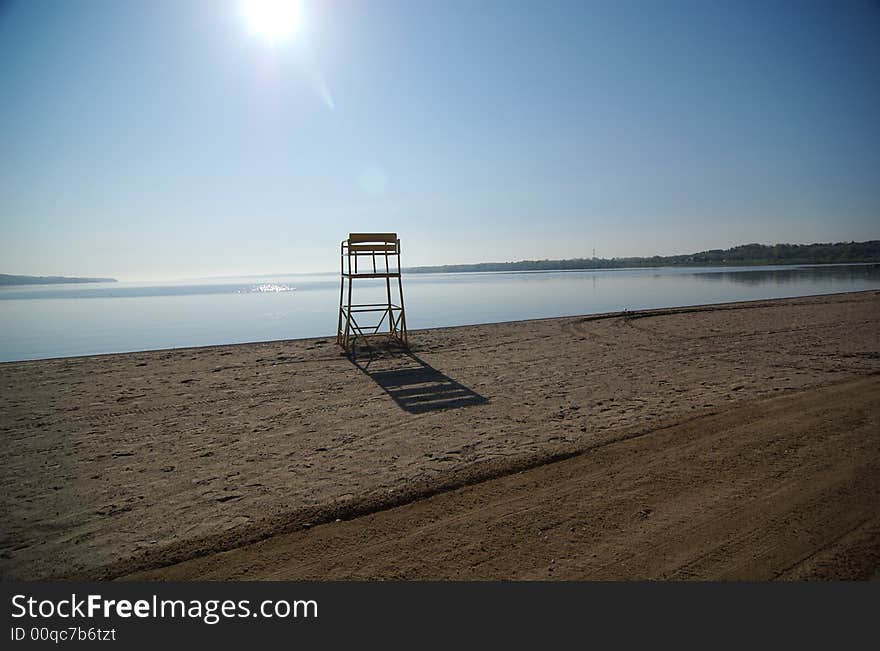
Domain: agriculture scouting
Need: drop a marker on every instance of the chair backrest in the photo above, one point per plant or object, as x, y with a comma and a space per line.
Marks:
372, 242
363, 238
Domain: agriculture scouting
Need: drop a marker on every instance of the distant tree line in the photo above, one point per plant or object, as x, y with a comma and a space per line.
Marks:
745, 254
8, 279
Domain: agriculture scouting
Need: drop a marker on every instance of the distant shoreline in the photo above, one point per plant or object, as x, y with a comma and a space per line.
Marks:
446, 269
7, 280
746, 255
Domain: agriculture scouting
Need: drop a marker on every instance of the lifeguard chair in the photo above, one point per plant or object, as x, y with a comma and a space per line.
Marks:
379, 256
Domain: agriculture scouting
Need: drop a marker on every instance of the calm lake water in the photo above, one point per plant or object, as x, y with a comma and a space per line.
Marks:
45, 321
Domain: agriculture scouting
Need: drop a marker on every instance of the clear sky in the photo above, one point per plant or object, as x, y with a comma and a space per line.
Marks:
162, 139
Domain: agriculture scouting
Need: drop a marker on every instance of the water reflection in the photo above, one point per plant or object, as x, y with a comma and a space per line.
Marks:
785, 276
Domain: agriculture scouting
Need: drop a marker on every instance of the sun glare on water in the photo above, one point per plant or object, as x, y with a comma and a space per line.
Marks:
273, 20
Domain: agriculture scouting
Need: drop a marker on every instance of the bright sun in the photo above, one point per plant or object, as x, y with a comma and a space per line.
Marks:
274, 20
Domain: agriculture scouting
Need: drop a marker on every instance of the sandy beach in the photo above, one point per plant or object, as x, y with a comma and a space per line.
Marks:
736, 441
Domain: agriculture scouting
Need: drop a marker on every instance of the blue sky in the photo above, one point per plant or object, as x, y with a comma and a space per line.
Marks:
154, 140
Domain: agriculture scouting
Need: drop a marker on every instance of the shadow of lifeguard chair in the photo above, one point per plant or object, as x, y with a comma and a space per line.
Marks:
379, 256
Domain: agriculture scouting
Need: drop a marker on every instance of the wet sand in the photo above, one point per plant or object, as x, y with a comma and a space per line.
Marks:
737, 440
